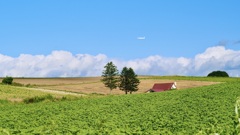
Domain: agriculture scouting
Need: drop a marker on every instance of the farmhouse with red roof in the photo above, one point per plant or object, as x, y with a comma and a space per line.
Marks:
159, 87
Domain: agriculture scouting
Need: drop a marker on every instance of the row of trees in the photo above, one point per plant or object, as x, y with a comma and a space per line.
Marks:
127, 80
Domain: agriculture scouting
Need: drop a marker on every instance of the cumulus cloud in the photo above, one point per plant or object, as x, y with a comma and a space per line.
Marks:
218, 58
57, 64
65, 64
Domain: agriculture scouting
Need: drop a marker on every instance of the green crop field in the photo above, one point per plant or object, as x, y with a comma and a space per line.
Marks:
14, 94
192, 78
202, 110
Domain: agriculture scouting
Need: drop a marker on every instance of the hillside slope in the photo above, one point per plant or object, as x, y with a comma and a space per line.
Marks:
204, 110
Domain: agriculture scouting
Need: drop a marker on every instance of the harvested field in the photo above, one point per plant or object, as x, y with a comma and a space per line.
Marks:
90, 85
56, 81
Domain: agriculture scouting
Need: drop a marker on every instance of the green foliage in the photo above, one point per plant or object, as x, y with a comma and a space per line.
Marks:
18, 94
192, 78
39, 99
109, 75
45, 98
201, 111
7, 80
3, 101
30, 85
237, 119
205, 110
218, 74
17, 84
128, 80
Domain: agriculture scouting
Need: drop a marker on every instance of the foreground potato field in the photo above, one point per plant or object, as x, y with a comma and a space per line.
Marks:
200, 110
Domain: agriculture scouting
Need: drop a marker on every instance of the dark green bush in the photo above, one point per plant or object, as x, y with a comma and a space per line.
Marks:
17, 84
30, 85
39, 99
7, 80
218, 74
44, 98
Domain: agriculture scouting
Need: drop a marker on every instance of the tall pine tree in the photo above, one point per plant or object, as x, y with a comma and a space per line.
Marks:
110, 75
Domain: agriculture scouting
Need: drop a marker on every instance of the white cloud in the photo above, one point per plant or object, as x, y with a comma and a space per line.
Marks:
218, 58
65, 64
57, 64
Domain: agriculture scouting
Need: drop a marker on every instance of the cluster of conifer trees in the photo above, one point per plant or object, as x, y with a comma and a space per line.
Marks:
126, 81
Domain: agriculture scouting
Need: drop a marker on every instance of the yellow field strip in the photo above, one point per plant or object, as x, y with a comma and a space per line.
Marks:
56, 91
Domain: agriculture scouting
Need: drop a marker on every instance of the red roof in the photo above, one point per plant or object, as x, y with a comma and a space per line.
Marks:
157, 87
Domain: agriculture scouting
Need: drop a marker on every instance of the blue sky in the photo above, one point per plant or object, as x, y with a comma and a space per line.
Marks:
171, 28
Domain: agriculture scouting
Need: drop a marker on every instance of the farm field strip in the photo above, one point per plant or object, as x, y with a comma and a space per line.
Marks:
55, 81
94, 85
192, 78
55, 91
143, 87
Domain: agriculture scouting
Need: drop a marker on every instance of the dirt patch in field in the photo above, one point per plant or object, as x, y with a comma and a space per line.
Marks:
16, 100
56, 92
94, 85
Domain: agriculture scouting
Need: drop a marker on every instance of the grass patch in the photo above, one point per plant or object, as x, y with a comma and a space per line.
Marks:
44, 98
192, 78
14, 94
39, 99
17, 84
3, 101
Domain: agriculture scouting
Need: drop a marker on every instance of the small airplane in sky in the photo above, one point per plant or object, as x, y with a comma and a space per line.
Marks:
141, 38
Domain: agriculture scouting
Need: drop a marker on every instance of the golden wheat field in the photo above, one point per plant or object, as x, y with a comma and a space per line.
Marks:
90, 85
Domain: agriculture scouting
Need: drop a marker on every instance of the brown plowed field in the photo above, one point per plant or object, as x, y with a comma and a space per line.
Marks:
90, 85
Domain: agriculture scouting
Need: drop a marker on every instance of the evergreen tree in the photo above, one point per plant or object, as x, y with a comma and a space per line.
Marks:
109, 75
128, 80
